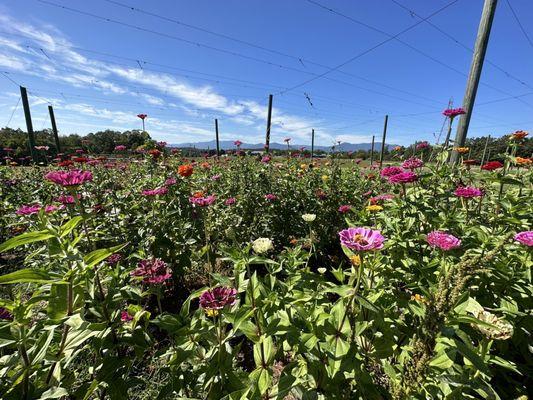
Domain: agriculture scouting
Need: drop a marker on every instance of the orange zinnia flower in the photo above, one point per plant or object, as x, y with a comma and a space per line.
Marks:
462, 150
519, 135
523, 161
185, 170
198, 194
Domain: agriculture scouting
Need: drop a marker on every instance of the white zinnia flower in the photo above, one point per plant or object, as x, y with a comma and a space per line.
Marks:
309, 217
262, 245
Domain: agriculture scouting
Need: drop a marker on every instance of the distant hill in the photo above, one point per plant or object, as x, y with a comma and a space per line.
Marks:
228, 145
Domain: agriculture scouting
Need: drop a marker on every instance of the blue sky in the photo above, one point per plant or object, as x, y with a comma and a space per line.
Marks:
193, 61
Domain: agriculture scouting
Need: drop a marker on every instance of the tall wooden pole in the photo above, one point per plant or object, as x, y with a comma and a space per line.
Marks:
485, 150
269, 123
216, 133
383, 141
54, 127
312, 142
29, 125
482, 41
372, 150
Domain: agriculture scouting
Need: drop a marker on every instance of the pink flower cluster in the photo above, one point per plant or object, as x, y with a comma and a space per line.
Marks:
361, 239
271, 197
525, 237
468, 192
218, 298
345, 208
412, 163
390, 171
153, 271
403, 177
35, 208
202, 201
453, 112
73, 177
443, 240
422, 145
155, 192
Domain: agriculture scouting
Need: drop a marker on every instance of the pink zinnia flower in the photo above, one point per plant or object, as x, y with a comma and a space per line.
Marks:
125, 316
345, 208
468, 192
443, 240
42, 147
218, 298
453, 112
171, 181
412, 163
237, 143
525, 237
29, 209
271, 197
114, 259
230, 201
361, 239
74, 177
202, 201
155, 192
390, 171
422, 145
216, 177
266, 159
381, 197
66, 199
404, 177
120, 147
153, 271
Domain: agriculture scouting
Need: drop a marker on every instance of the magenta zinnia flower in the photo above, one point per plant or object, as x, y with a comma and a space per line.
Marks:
345, 208
265, 159
389, 171
525, 237
66, 199
422, 145
412, 163
468, 192
443, 240
153, 271
230, 201
202, 201
361, 239
453, 112
237, 143
125, 316
29, 209
403, 177
120, 147
114, 259
218, 298
171, 181
5, 315
155, 192
74, 177
271, 197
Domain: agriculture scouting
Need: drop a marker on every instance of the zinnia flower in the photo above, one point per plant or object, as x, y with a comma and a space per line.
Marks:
230, 201
237, 143
470, 162
361, 239
381, 197
155, 192
412, 163
374, 208
389, 171
262, 245
422, 145
214, 300
125, 316
462, 150
42, 148
120, 147
443, 240
170, 182
69, 178
185, 170
153, 271
468, 192
271, 197
142, 116
523, 161
404, 177
518, 135
114, 259
266, 159
525, 237
29, 210
309, 217
492, 165
500, 329
453, 112
345, 208
202, 201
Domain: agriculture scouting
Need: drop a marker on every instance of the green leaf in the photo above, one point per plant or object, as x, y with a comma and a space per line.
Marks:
471, 356
97, 256
25, 238
54, 393
26, 276
67, 227
57, 303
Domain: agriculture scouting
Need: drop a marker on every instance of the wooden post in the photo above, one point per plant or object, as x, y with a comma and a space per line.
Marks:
372, 150
312, 142
485, 150
482, 41
216, 133
29, 125
269, 123
383, 141
54, 127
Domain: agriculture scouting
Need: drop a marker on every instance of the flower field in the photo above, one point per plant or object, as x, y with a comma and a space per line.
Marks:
156, 276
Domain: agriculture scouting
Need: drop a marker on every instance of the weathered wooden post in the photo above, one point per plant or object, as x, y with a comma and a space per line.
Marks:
312, 142
29, 125
269, 123
485, 150
54, 127
216, 134
372, 150
383, 141
482, 41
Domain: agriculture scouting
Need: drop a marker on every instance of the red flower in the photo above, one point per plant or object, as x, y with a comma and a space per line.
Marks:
185, 170
492, 165
142, 116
